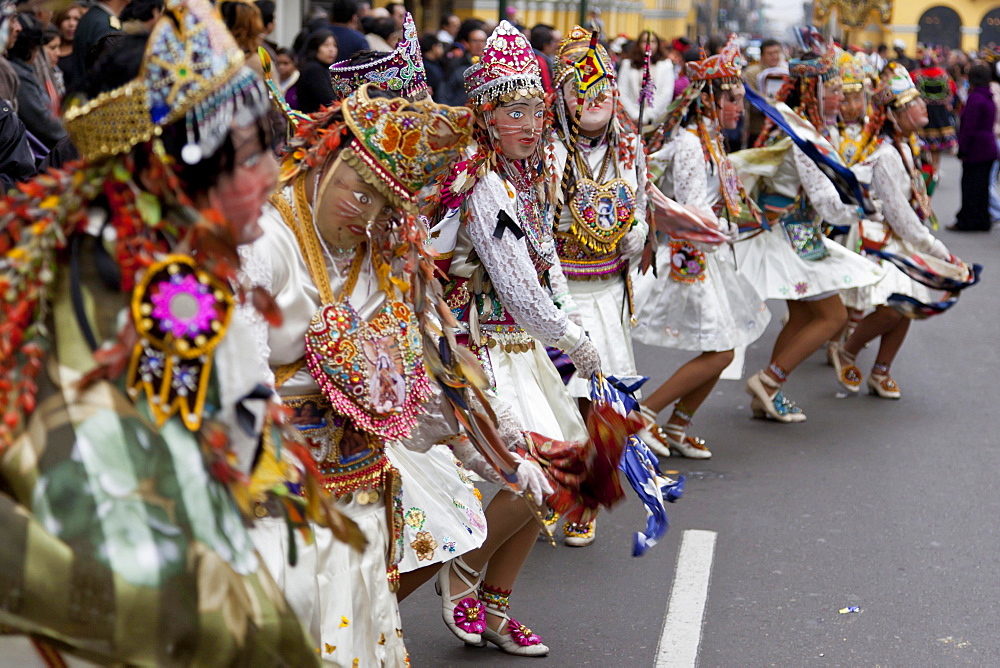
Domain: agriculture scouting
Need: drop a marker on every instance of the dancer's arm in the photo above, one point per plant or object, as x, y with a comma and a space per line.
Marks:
821, 193
892, 185
511, 271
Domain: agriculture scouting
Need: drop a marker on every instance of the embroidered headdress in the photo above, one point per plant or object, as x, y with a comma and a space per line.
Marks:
507, 70
568, 54
816, 64
401, 71
851, 72
192, 70
896, 89
396, 145
724, 66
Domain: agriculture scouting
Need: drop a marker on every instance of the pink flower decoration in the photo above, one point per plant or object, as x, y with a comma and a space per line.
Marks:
801, 288
183, 306
522, 635
470, 616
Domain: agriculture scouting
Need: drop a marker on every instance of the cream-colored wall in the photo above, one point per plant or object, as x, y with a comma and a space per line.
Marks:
905, 20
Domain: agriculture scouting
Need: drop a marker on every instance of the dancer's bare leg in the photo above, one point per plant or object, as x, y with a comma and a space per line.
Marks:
880, 322
811, 324
506, 516
690, 379
693, 400
506, 563
410, 582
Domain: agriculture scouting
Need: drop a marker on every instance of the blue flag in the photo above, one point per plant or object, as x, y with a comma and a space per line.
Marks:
843, 179
639, 464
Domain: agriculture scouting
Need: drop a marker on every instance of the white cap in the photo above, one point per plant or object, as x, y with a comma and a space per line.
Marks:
899, 44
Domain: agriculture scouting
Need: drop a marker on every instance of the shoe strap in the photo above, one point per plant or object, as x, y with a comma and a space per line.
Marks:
462, 571
675, 433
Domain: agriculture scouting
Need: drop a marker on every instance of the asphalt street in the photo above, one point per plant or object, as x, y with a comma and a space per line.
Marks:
888, 506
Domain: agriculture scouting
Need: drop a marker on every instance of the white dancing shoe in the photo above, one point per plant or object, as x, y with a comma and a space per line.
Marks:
883, 386
519, 639
652, 434
684, 445
462, 612
778, 407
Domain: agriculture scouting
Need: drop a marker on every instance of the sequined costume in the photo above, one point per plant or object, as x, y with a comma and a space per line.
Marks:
442, 516
696, 300
348, 361
794, 260
499, 252
602, 225
132, 396
902, 204
938, 91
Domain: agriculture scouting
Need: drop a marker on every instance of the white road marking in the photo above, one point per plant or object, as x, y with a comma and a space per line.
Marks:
681, 636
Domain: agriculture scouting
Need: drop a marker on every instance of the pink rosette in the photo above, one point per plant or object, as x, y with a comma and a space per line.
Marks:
470, 616
522, 635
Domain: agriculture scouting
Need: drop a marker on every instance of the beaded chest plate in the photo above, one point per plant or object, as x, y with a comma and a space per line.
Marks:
372, 372
603, 214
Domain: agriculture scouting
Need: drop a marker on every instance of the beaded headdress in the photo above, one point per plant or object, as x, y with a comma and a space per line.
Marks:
896, 89
506, 71
851, 72
724, 66
568, 54
401, 146
192, 70
814, 65
401, 71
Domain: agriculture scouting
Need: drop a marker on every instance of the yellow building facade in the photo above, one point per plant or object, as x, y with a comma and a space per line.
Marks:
967, 24
667, 18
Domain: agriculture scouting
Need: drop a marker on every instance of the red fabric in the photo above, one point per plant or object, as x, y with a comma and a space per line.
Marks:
546, 72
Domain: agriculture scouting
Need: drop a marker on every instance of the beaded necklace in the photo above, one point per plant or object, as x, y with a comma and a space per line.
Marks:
531, 214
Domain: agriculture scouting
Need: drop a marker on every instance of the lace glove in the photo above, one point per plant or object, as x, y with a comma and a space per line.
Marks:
730, 229
473, 460
509, 425
530, 478
585, 357
633, 242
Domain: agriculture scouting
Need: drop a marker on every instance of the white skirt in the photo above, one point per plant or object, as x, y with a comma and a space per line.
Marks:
606, 319
529, 382
892, 281
340, 595
720, 312
773, 267
442, 517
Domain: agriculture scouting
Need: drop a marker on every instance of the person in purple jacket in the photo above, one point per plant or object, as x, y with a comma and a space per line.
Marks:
978, 150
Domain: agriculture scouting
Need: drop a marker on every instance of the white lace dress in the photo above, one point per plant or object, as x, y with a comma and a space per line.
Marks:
713, 308
768, 259
340, 595
602, 302
896, 223
523, 374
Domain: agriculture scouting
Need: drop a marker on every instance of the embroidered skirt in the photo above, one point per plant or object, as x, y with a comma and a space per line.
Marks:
718, 311
607, 321
893, 280
442, 516
776, 271
340, 595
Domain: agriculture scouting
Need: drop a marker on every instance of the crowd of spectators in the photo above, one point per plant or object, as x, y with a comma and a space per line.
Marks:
48, 55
